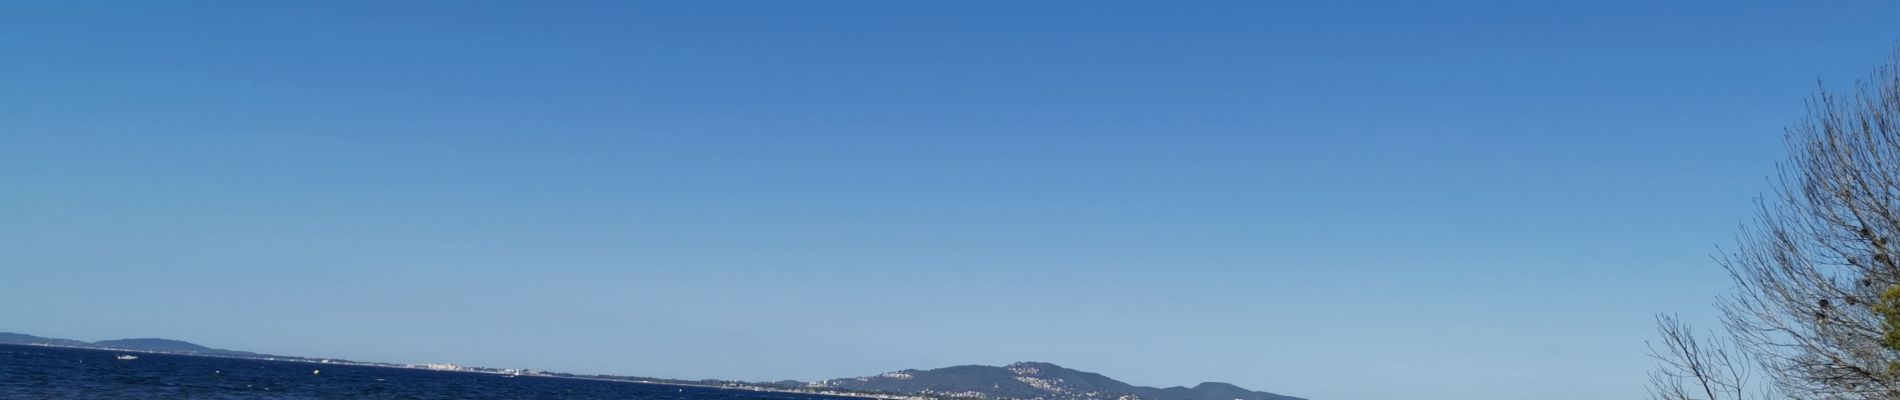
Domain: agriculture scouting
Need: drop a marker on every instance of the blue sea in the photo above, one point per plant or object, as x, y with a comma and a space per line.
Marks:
33, 372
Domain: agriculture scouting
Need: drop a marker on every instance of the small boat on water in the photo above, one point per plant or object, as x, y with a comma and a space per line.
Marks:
127, 357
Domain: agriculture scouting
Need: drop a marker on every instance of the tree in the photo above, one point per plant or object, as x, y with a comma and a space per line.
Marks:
1817, 298
1818, 287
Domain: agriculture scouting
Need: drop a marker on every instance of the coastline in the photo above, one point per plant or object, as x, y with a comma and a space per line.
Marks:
542, 374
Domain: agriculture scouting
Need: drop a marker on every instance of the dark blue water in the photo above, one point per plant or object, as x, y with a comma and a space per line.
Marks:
32, 372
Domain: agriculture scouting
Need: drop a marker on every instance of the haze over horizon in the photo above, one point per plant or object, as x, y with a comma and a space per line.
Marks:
1334, 201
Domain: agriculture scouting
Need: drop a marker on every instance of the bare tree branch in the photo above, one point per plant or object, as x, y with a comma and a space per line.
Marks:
1688, 368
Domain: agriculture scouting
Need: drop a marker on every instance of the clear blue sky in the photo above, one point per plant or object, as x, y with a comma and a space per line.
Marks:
1337, 200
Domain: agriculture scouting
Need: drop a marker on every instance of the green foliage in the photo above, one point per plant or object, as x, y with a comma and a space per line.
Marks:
1889, 310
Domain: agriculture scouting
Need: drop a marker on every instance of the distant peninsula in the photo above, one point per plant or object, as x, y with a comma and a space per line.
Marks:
152, 345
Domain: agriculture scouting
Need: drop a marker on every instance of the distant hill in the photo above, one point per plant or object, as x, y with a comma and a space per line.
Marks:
16, 338
166, 346
1037, 380
147, 344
